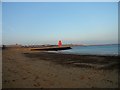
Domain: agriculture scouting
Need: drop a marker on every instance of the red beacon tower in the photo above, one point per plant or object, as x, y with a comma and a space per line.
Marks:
59, 43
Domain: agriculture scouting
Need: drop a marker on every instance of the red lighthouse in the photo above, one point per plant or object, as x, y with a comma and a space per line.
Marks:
59, 43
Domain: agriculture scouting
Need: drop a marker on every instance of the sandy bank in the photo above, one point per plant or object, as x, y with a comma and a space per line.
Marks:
22, 69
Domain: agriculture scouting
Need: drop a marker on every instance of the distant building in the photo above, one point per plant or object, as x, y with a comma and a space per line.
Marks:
11, 46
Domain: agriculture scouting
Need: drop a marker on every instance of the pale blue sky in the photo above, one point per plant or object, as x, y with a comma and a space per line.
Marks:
0, 24
46, 23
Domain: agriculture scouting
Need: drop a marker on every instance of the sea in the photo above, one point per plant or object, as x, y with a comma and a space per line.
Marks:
112, 50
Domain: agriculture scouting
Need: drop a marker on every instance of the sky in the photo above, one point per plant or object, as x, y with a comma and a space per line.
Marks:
30, 23
0, 24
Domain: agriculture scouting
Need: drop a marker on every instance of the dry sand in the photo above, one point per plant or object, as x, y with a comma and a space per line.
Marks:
0, 68
22, 71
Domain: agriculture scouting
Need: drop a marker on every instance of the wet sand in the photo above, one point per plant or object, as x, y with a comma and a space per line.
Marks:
25, 69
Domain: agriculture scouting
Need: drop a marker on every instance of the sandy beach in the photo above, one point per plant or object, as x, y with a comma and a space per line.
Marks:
28, 69
0, 68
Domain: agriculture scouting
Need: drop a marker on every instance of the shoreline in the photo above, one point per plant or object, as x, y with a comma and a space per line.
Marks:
89, 61
116, 55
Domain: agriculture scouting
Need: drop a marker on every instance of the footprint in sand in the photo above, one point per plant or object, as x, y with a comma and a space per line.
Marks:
36, 78
82, 77
24, 78
29, 72
89, 78
109, 81
6, 81
13, 80
36, 84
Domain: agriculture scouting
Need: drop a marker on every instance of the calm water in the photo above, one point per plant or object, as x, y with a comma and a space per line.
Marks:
93, 50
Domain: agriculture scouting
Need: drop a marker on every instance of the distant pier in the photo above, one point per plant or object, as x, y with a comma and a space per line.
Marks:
51, 48
38, 47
